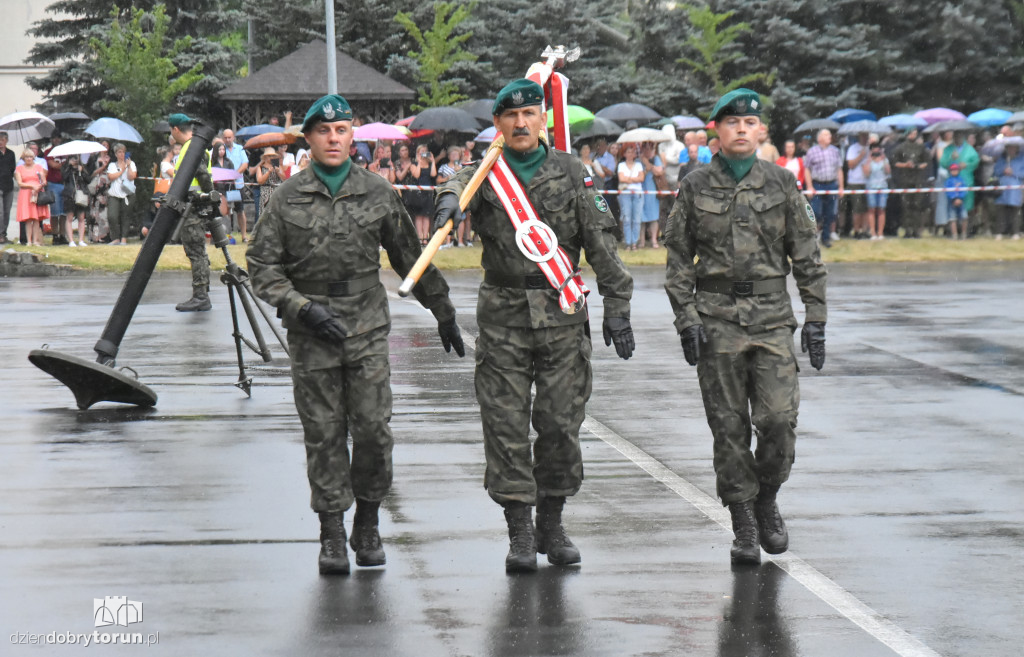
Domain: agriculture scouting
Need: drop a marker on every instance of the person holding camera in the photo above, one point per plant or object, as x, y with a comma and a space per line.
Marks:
76, 198
381, 164
122, 173
269, 174
423, 172
876, 172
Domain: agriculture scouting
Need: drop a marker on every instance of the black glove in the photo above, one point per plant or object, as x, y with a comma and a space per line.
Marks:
447, 208
812, 339
619, 331
451, 337
320, 319
692, 338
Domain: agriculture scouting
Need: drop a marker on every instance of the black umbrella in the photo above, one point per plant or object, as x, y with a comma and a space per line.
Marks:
69, 116
956, 125
445, 118
161, 126
480, 109
599, 128
623, 113
814, 125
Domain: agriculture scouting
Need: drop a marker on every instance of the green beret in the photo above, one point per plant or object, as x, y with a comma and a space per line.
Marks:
179, 119
738, 102
329, 108
518, 93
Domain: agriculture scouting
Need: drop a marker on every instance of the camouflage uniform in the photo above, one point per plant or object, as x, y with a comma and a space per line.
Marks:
193, 239
915, 207
310, 247
526, 339
750, 230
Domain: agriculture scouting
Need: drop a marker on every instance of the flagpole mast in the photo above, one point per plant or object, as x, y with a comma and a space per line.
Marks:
332, 49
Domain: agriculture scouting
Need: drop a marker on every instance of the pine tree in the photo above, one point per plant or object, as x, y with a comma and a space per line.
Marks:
441, 47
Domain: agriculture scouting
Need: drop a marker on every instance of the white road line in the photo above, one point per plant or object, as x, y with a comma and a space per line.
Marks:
844, 602
831, 593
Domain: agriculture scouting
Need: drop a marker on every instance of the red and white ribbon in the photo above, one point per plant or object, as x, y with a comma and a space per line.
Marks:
556, 94
536, 240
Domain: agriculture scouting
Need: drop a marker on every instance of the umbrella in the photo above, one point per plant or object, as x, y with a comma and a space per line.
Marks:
23, 127
857, 127
253, 130
69, 116
580, 118
412, 134
623, 113
480, 109
995, 147
687, 122
600, 128
1016, 117
487, 135
270, 139
936, 114
445, 118
376, 131
814, 125
638, 135
956, 125
161, 126
77, 147
111, 128
220, 174
849, 115
990, 117
903, 121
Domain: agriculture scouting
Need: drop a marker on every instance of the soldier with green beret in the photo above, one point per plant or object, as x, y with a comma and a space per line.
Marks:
527, 335
315, 256
192, 231
748, 226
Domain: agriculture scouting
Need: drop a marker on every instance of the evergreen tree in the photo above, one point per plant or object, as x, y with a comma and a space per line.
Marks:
440, 49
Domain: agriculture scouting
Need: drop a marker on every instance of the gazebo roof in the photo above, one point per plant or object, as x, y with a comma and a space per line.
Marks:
303, 74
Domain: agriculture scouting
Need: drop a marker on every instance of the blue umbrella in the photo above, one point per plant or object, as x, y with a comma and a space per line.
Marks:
849, 114
487, 135
990, 117
115, 129
242, 134
903, 121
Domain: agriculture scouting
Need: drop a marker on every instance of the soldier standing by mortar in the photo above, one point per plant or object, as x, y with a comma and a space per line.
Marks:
192, 232
315, 256
534, 328
748, 224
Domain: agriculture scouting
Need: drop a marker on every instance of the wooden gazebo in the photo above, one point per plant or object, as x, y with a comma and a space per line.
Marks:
295, 81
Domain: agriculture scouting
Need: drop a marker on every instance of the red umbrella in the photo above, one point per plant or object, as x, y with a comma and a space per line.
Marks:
413, 134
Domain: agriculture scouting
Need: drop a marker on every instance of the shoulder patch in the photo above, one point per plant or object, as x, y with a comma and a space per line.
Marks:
810, 213
588, 181
600, 203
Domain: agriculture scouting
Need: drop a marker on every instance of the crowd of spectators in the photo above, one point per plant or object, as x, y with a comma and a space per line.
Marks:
95, 194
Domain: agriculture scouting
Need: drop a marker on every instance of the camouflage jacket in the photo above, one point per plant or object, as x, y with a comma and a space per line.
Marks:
917, 154
305, 235
580, 219
751, 230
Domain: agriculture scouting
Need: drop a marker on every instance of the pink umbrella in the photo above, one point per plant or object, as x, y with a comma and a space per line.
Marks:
376, 131
936, 114
224, 175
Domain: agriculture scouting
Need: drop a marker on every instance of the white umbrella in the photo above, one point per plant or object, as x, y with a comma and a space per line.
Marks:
638, 135
23, 127
76, 147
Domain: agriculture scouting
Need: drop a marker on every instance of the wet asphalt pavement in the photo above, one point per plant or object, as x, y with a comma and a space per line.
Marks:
904, 508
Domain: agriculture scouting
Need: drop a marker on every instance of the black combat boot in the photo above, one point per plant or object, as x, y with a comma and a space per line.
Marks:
744, 547
333, 555
200, 301
365, 537
770, 526
522, 551
551, 538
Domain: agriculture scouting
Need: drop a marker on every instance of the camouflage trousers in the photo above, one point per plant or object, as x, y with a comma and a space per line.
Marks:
916, 212
509, 362
193, 240
341, 390
748, 377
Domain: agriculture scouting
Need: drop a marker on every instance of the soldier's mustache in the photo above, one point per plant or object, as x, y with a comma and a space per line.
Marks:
521, 132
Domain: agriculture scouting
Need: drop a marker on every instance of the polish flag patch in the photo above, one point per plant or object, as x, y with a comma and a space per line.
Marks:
588, 181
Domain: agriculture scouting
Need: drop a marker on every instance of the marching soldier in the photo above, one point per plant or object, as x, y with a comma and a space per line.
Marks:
315, 256
536, 212
748, 225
